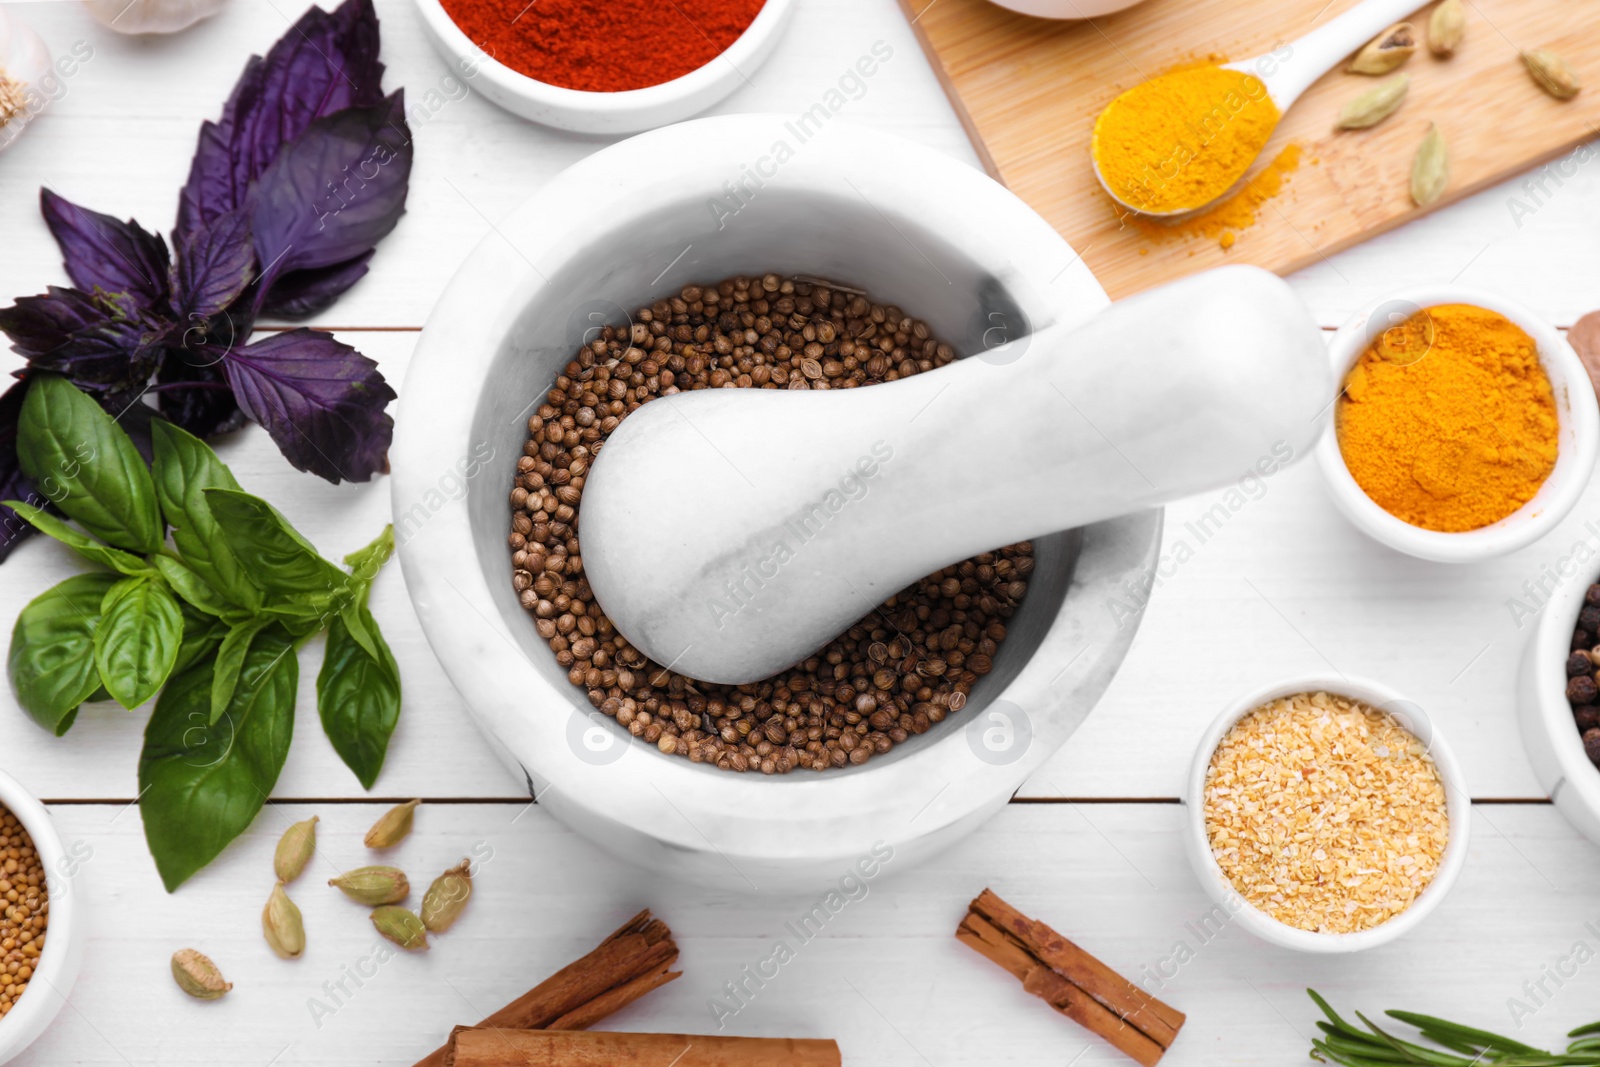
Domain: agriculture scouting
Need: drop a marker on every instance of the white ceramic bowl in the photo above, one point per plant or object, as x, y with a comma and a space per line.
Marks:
1259, 922
1066, 9
918, 229
1549, 735
608, 113
1579, 435
52, 981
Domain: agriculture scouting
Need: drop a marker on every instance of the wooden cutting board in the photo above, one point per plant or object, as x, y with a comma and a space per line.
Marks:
1028, 91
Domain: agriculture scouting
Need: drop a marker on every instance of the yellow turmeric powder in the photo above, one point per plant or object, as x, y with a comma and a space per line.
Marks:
1448, 420
1182, 139
1240, 211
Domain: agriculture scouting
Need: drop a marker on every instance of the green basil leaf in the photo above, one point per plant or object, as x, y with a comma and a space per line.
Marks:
358, 698
366, 562
51, 664
192, 588
81, 543
353, 614
185, 467
202, 636
302, 628
231, 655
306, 605
137, 639
84, 463
202, 783
274, 554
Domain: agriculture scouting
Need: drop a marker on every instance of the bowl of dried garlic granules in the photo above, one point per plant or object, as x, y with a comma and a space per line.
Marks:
1326, 814
41, 936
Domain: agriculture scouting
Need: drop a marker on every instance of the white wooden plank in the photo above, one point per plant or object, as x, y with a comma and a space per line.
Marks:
885, 977
474, 162
120, 138
1283, 586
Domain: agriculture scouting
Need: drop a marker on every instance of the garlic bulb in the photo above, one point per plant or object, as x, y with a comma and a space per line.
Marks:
152, 16
24, 64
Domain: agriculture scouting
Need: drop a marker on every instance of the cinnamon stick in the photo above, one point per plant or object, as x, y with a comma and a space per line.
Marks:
472, 1047
1072, 981
629, 963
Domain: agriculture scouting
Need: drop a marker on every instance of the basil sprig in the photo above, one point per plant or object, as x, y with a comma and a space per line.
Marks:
210, 620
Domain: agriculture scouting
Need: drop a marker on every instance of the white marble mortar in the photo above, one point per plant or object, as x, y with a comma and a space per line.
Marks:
695, 203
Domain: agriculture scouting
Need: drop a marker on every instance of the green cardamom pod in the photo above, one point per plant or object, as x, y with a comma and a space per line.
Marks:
1376, 104
1430, 172
1446, 26
197, 976
1554, 74
294, 850
373, 885
400, 926
282, 926
447, 897
394, 827
1387, 51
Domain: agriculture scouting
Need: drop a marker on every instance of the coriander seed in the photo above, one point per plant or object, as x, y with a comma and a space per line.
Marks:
893, 675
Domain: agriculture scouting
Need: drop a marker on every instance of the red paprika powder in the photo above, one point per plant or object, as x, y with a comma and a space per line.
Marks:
603, 46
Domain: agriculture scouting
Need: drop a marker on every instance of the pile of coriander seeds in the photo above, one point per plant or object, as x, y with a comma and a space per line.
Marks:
896, 673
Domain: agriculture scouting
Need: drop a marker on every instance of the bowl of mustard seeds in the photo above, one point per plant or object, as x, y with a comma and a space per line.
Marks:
41, 928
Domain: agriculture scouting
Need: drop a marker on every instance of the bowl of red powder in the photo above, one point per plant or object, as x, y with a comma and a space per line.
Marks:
620, 66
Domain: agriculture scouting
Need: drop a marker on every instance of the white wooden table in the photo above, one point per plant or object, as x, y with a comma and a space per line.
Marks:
1091, 842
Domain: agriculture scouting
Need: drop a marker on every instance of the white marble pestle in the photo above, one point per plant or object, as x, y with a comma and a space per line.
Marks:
730, 533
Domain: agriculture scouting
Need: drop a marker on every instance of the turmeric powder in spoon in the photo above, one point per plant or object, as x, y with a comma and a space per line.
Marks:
1179, 141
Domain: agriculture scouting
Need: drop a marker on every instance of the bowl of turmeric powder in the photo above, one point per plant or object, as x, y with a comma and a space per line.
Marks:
1465, 426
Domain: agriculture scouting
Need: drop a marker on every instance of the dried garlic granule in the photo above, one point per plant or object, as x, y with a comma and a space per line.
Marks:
1325, 813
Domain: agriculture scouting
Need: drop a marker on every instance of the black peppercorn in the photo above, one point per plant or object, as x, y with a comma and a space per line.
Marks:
1589, 619
1581, 639
1592, 595
1582, 690
1591, 745
1587, 718
1580, 662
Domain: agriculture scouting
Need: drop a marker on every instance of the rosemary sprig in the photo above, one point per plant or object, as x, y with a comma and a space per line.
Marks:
1345, 1044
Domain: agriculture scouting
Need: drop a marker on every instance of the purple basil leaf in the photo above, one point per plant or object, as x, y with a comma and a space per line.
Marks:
104, 342
214, 264
38, 325
213, 174
301, 293
106, 253
13, 483
323, 402
335, 191
192, 391
325, 63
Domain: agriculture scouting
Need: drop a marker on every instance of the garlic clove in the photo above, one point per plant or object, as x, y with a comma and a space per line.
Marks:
151, 16
24, 63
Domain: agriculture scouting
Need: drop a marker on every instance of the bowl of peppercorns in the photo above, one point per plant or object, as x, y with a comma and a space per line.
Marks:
41, 933
619, 283
1559, 695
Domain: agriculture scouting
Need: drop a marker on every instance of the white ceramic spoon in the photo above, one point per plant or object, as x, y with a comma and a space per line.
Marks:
730, 533
1288, 77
